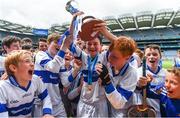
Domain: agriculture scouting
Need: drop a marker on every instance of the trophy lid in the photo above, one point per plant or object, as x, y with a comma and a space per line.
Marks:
87, 33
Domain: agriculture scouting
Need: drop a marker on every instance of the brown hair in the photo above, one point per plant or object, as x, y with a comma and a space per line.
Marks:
140, 53
154, 46
13, 58
53, 37
125, 45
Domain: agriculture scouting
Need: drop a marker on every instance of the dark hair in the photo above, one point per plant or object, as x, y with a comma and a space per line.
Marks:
42, 39
8, 40
26, 40
154, 46
27, 47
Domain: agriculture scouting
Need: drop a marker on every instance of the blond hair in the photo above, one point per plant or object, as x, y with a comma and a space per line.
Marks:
125, 45
175, 71
53, 37
13, 58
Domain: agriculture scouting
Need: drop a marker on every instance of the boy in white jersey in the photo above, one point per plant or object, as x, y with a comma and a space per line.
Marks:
120, 78
18, 90
154, 73
177, 60
9, 43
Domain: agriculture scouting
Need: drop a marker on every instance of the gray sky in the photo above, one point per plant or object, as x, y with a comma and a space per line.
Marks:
44, 13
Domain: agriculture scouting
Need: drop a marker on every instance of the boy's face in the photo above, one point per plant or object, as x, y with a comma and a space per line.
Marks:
116, 59
68, 56
25, 68
42, 46
53, 48
152, 56
13, 46
93, 47
172, 85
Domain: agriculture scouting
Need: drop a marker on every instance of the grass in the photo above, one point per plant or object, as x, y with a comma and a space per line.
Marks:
167, 64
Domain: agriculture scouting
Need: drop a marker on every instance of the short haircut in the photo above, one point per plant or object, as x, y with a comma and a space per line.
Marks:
153, 46
8, 40
26, 40
13, 58
125, 45
140, 53
175, 71
53, 37
42, 39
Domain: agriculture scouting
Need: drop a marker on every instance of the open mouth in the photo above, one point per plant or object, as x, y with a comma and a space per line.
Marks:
31, 72
152, 61
57, 49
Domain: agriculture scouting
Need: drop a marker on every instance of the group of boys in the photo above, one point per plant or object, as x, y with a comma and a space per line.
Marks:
110, 83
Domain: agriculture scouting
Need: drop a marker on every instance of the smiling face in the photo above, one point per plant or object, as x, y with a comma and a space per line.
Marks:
93, 47
172, 85
53, 48
153, 57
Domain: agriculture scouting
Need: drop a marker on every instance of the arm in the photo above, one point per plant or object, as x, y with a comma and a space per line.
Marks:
69, 75
101, 27
3, 107
52, 65
44, 97
119, 95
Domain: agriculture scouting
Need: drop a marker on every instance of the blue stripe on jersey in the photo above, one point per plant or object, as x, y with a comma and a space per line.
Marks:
43, 94
44, 62
94, 79
159, 68
122, 71
127, 94
63, 70
47, 111
15, 83
72, 48
47, 76
131, 59
70, 78
109, 88
61, 53
22, 109
3, 108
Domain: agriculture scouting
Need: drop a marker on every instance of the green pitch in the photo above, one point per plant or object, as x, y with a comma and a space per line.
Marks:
167, 64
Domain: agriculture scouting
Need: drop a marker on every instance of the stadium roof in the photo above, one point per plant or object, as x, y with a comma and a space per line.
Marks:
125, 22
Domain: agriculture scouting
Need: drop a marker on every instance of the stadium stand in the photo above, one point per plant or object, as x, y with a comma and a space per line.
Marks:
162, 28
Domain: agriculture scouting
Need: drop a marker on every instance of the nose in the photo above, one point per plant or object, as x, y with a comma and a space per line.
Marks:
167, 85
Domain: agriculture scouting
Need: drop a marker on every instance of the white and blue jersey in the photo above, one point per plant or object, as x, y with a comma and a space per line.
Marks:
92, 100
177, 62
2, 69
50, 69
18, 101
119, 91
133, 61
157, 82
169, 107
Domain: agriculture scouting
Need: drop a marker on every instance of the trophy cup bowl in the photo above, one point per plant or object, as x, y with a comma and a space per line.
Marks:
87, 33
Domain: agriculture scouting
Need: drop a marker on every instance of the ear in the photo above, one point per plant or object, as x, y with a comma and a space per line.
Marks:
13, 68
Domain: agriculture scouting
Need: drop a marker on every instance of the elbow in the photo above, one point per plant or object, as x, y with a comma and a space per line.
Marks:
118, 105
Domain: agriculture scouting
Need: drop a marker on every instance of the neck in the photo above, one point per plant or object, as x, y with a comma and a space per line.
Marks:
154, 68
21, 82
49, 52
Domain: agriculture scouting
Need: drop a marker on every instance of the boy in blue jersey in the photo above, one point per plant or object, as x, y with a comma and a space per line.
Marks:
18, 90
168, 95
